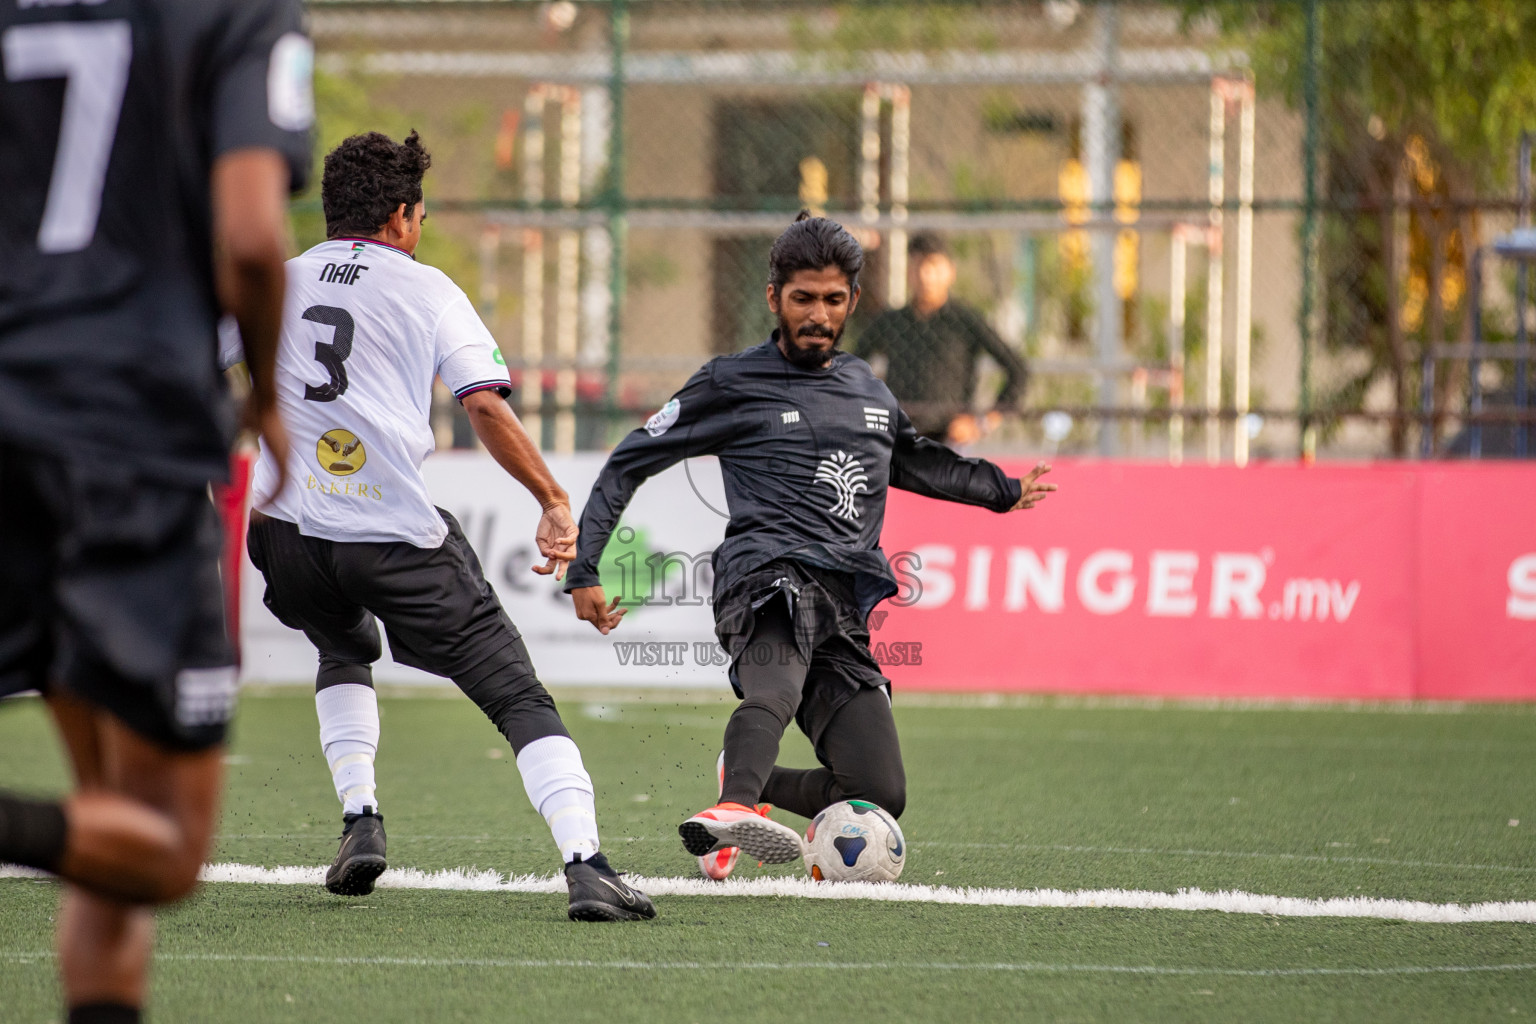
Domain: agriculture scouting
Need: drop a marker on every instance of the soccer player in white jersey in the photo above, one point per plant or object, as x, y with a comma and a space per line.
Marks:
353, 538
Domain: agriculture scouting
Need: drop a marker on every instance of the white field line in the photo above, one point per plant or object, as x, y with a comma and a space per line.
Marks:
45, 957
1138, 851
1311, 858
1230, 902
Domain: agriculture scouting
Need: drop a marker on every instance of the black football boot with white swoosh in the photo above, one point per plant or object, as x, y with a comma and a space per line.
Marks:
360, 860
599, 894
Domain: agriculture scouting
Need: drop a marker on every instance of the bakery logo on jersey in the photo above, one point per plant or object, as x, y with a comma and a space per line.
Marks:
340, 452
666, 416
342, 273
877, 419
792, 416
344, 489
847, 477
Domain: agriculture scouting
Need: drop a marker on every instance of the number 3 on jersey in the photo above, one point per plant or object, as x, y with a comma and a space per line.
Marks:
332, 354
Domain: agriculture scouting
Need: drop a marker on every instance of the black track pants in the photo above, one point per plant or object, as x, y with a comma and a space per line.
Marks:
858, 749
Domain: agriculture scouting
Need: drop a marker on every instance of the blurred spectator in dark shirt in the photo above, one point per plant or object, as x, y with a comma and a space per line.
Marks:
931, 347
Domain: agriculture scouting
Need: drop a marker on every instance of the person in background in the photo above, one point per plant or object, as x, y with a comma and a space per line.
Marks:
931, 347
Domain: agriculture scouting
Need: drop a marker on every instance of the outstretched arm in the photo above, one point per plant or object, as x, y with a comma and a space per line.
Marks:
470, 364
499, 429
936, 471
695, 422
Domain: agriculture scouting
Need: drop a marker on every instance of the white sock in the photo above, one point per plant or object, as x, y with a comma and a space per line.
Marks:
349, 736
561, 790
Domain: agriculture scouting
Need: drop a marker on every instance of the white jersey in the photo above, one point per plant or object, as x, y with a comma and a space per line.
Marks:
365, 330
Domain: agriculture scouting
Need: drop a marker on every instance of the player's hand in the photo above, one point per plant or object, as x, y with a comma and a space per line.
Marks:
261, 417
1031, 492
556, 538
592, 605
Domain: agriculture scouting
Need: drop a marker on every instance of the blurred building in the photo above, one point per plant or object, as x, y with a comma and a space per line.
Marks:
978, 122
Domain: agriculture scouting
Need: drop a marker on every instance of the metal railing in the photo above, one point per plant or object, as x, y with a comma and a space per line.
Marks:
1154, 225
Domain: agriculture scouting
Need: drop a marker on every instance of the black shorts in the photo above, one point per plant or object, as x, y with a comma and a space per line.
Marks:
829, 634
440, 613
110, 589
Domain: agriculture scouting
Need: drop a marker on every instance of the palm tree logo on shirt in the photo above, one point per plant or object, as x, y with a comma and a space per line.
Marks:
847, 477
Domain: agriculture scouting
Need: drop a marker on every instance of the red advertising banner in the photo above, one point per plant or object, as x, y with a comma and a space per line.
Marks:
1340, 582
1477, 582
230, 499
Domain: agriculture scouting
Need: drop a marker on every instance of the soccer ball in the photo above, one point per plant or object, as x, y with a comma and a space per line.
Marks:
854, 841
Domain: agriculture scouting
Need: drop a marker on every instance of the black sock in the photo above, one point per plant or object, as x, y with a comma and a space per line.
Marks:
31, 832
104, 1013
802, 791
751, 746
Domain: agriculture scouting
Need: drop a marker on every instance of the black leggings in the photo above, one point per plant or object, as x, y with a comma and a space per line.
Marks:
858, 748
441, 615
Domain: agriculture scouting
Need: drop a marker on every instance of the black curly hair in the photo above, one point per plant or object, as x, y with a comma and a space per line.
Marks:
811, 243
367, 177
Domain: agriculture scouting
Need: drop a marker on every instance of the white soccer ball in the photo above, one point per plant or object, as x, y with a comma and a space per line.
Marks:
854, 841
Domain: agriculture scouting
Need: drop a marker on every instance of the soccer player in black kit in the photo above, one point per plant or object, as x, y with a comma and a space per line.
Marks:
809, 441
147, 148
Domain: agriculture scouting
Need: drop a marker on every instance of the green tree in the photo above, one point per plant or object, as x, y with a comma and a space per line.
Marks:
1418, 99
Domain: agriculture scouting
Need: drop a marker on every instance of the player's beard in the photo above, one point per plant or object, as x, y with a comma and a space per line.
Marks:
805, 357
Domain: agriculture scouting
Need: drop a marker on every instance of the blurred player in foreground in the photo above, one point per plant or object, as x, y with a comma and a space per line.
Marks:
146, 153
809, 441
354, 534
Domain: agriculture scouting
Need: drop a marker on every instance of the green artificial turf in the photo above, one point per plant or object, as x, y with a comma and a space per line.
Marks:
1407, 804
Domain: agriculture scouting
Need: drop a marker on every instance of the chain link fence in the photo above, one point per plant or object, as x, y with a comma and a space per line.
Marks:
1190, 232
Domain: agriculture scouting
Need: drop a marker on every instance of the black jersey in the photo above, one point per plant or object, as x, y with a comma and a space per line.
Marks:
807, 457
111, 115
